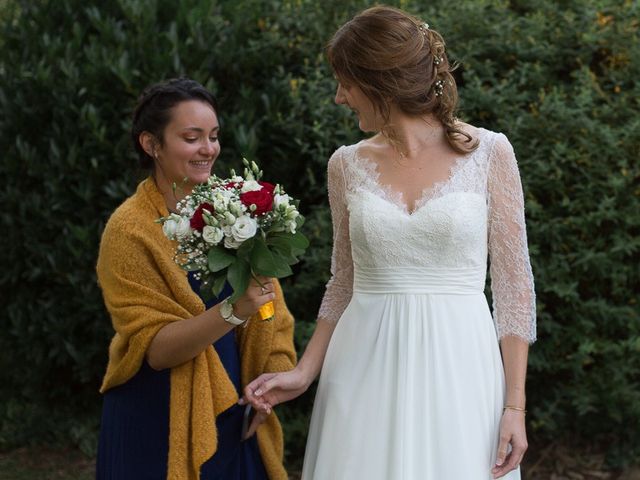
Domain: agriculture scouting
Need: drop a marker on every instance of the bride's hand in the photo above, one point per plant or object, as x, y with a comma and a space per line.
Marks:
270, 389
512, 431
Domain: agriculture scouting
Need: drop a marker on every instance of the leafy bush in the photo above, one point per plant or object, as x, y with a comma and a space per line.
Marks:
560, 79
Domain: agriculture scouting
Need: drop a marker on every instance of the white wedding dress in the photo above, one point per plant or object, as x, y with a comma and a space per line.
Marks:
412, 386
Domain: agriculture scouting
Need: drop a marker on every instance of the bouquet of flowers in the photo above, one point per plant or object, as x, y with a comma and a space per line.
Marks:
229, 230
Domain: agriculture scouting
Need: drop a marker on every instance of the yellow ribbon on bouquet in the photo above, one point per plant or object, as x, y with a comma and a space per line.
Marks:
266, 312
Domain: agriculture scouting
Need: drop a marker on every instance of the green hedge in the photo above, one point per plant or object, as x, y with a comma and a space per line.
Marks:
559, 79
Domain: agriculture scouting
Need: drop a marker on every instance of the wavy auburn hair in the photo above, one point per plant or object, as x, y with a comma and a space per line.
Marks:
395, 59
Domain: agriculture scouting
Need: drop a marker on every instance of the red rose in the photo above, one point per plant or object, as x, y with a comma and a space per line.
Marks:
262, 199
197, 222
268, 186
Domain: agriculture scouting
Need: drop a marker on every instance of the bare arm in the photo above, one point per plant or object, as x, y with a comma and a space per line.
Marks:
514, 355
311, 362
270, 389
178, 342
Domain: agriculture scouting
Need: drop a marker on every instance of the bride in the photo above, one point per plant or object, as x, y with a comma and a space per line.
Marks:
418, 381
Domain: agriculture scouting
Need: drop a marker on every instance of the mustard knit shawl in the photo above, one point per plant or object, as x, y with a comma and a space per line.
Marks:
144, 290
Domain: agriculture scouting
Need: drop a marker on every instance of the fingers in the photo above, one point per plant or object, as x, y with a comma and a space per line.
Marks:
500, 467
503, 447
508, 462
252, 396
254, 298
258, 419
263, 294
262, 285
503, 469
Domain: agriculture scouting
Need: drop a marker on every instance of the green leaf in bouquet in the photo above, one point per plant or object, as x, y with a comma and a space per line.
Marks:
289, 245
299, 241
238, 275
299, 221
262, 260
284, 255
283, 248
284, 262
245, 249
219, 282
219, 258
281, 243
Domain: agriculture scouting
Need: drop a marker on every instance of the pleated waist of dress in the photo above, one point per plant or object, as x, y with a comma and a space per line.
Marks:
419, 280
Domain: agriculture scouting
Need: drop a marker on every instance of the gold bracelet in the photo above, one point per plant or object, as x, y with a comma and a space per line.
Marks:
517, 409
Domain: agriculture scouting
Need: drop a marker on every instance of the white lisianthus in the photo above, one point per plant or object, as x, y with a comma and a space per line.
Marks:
250, 186
291, 213
291, 225
212, 235
230, 242
283, 200
221, 200
244, 228
237, 179
236, 208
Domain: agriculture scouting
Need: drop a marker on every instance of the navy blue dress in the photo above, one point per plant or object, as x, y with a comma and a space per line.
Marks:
134, 434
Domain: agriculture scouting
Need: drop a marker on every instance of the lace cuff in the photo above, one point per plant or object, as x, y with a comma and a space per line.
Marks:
514, 310
340, 287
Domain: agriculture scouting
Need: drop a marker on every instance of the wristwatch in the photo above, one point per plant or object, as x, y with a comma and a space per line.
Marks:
226, 310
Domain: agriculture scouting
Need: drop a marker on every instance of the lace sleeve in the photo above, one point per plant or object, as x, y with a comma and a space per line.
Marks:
340, 287
514, 310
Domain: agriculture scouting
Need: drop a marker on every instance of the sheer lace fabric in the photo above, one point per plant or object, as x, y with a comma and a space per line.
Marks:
457, 223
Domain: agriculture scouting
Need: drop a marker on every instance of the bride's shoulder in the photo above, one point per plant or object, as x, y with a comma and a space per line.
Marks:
484, 135
345, 152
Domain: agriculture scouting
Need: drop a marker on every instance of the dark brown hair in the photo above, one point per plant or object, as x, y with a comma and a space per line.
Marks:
396, 59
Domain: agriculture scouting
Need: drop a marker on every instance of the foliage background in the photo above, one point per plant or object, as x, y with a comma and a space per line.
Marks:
559, 78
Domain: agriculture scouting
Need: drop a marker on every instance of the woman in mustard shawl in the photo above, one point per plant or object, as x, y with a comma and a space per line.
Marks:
176, 366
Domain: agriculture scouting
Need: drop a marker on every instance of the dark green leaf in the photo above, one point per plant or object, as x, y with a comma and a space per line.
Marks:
238, 276
219, 282
219, 258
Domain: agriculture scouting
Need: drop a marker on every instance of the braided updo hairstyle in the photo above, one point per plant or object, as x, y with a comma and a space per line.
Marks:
397, 59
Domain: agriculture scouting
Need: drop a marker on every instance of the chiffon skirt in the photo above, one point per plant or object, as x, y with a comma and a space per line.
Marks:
412, 388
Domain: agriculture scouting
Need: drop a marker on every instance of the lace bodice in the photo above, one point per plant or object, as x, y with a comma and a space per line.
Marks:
477, 212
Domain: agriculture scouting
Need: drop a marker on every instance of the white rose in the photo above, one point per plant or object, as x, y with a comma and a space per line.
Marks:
183, 228
169, 228
281, 200
244, 228
212, 235
250, 186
